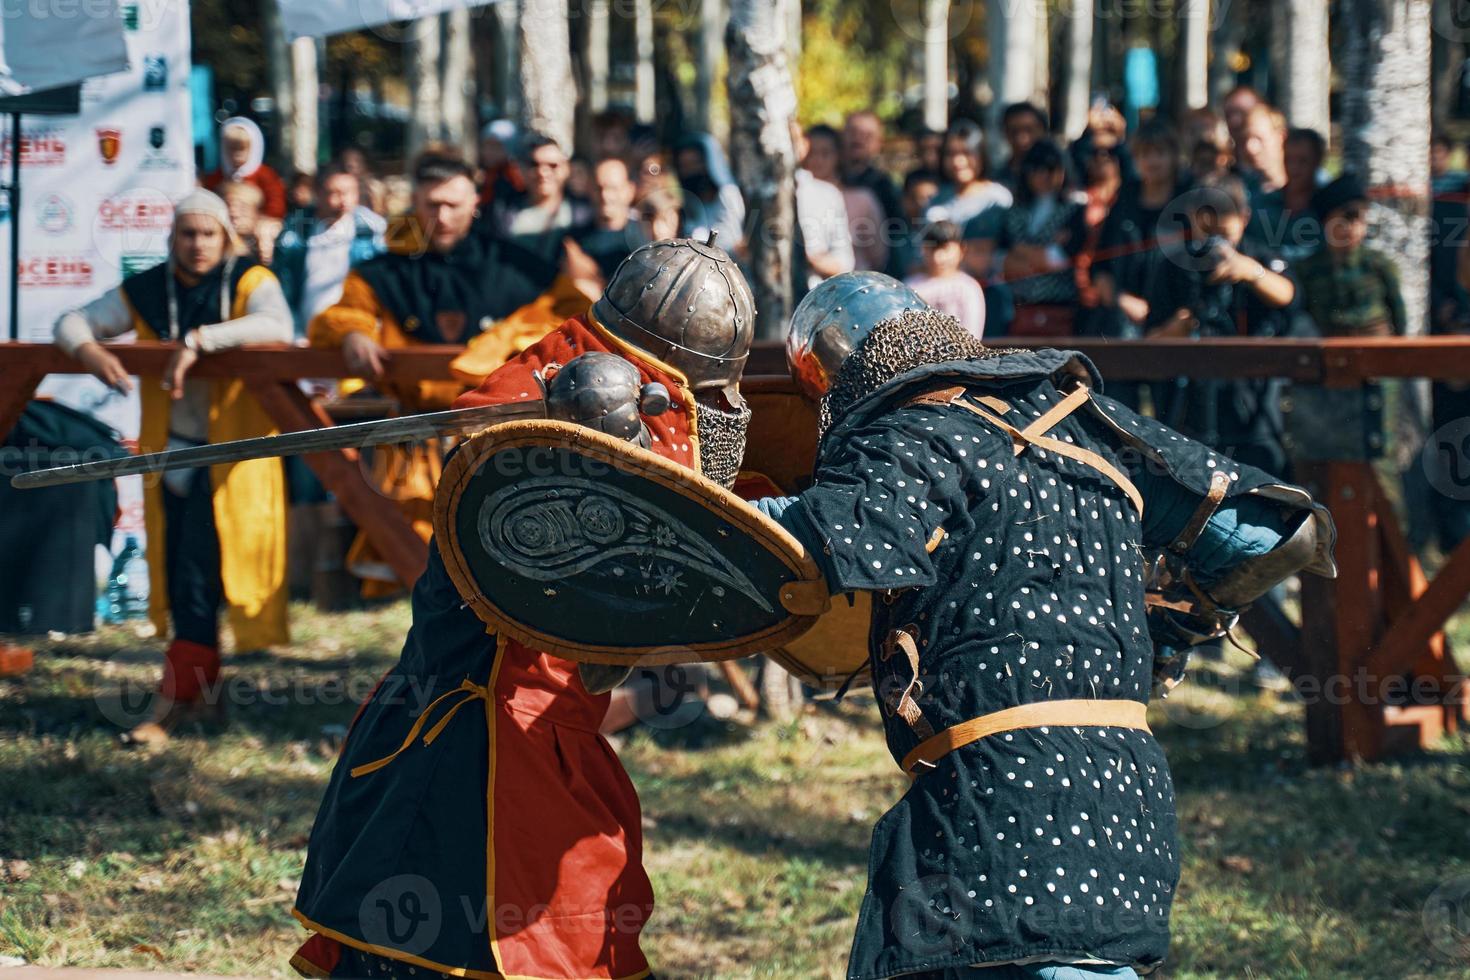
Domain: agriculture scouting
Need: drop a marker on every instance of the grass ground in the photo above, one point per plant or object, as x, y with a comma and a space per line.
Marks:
188, 859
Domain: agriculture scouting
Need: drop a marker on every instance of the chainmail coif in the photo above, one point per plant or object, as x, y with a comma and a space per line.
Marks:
721, 442
899, 344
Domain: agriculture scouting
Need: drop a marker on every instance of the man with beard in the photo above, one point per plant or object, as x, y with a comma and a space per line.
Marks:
216, 535
512, 846
444, 280
1001, 509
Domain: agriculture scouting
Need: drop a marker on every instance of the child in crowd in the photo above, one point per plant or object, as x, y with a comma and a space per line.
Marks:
942, 284
1350, 290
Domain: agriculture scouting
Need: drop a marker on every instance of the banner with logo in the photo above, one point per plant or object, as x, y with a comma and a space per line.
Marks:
319, 18
96, 200
56, 44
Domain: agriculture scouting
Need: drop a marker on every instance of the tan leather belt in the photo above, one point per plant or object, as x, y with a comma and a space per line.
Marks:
1080, 713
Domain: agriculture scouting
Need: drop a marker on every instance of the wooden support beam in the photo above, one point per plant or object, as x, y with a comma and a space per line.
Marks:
1407, 634
374, 514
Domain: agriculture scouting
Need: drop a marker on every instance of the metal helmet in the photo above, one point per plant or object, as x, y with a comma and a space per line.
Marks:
686, 303
832, 320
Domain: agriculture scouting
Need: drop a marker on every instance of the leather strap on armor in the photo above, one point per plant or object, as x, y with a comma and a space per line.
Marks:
1080, 713
1035, 433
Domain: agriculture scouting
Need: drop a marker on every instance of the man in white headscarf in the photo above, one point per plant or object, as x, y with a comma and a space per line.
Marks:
215, 537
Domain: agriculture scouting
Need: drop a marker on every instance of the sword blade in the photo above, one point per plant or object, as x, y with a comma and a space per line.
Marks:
408, 428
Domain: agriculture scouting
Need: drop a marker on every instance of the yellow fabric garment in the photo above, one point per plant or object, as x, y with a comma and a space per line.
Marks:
523, 328
249, 502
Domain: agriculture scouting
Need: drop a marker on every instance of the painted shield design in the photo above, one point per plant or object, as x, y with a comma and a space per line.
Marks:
588, 547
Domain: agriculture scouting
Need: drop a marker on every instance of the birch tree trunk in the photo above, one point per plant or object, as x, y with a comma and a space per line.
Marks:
1012, 30
1307, 65
711, 48
457, 82
762, 104
1041, 60
548, 98
645, 96
599, 31
1194, 62
791, 11
1385, 128
1385, 136
936, 64
508, 56
427, 122
1079, 36
278, 72
306, 89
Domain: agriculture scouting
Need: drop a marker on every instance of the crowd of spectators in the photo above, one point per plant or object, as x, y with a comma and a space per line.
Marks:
1220, 225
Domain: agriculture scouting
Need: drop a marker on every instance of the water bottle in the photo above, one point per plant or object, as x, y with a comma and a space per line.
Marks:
127, 586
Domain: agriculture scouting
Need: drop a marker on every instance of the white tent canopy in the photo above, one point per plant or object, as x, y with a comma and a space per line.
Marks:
60, 44
318, 18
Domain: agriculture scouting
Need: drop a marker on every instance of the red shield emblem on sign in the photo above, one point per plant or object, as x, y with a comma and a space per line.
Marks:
451, 325
109, 144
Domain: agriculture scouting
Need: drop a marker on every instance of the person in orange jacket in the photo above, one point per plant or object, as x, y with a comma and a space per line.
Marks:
444, 280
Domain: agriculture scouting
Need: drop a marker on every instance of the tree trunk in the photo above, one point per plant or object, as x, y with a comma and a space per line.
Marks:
1041, 60
599, 32
457, 82
1307, 66
791, 11
424, 50
508, 56
1385, 127
278, 71
936, 64
762, 105
1079, 37
306, 89
645, 94
1012, 29
711, 48
548, 97
1446, 53
1194, 61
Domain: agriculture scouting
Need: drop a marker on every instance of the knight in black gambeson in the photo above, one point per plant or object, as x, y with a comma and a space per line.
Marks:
1021, 532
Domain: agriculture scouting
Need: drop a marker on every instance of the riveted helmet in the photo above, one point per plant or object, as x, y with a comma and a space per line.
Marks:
832, 320
686, 303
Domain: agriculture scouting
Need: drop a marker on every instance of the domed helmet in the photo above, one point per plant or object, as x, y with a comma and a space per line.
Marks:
832, 320
686, 303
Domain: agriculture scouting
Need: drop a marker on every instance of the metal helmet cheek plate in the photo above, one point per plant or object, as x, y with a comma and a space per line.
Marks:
832, 320
687, 304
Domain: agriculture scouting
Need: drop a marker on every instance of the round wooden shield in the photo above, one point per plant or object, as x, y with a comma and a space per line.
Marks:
834, 653
588, 547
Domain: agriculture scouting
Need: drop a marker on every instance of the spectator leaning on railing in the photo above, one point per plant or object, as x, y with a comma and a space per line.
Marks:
216, 536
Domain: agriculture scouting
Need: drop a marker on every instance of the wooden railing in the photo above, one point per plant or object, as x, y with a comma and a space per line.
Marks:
1367, 637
